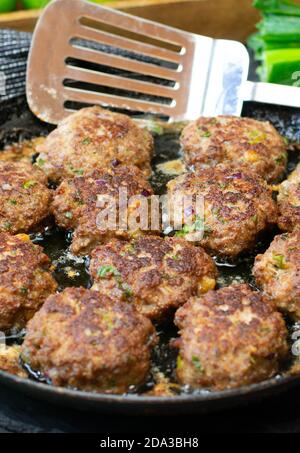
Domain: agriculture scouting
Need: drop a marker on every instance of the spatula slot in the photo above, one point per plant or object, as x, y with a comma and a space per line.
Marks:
73, 62
115, 50
117, 92
131, 34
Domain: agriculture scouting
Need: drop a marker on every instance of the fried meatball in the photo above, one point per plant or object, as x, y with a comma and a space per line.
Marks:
157, 275
242, 141
88, 341
229, 338
25, 280
289, 202
76, 204
24, 197
9, 361
277, 272
91, 139
237, 206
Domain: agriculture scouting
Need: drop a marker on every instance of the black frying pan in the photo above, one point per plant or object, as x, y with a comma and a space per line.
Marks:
17, 124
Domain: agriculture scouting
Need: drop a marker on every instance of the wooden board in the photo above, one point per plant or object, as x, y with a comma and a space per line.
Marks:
216, 18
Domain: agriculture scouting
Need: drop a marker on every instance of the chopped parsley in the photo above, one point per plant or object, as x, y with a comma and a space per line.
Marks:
197, 364
86, 141
280, 261
104, 271
7, 226
281, 159
40, 162
28, 184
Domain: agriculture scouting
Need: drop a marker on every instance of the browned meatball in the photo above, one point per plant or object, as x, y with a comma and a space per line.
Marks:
277, 272
76, 207
229, 338
289, 202
242, 141
85, 340
24, 197
237, 206
25, 280
157, 275
9, 361
91, 139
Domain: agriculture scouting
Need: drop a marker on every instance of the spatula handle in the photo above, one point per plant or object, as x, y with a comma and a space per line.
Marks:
271, 93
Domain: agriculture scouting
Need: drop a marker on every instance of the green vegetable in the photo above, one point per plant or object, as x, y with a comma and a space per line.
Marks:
280, 28
69, 215
279, 261
34, 4
197, 364
179, 363
13, 202
7, 226
105, 270
28, 184
86, 141
290, 7
282, 66
155, 127
277, 44
7, 5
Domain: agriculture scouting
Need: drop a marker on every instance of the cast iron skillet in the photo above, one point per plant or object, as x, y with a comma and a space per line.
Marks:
17, 124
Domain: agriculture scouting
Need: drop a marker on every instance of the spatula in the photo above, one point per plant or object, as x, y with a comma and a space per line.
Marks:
85, 54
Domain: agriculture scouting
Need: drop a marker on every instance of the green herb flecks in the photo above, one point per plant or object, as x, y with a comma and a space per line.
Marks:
86, 141
105, 271
28, 184
197, 364
279, 261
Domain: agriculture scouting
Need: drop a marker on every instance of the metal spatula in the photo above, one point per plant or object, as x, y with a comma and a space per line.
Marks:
85, 54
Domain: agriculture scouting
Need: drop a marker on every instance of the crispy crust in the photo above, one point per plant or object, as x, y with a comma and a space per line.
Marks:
277, 272
91, 139
229, 338
157, 275
85, 340
242, 141
25, 280
237, 204
289, 202
75, 204
9, 361
24, 197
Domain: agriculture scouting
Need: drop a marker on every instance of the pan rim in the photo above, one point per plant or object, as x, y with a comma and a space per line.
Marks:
275, 384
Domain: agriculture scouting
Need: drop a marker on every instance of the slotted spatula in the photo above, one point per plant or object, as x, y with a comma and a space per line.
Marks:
84, 54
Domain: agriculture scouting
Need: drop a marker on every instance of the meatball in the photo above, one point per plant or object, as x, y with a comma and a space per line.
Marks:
9, 361
88, 341
76, 205
289, 202
277, 272
237, 206
91, 139
24, 197
25, 280
157, 275
242, 141
229, 338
